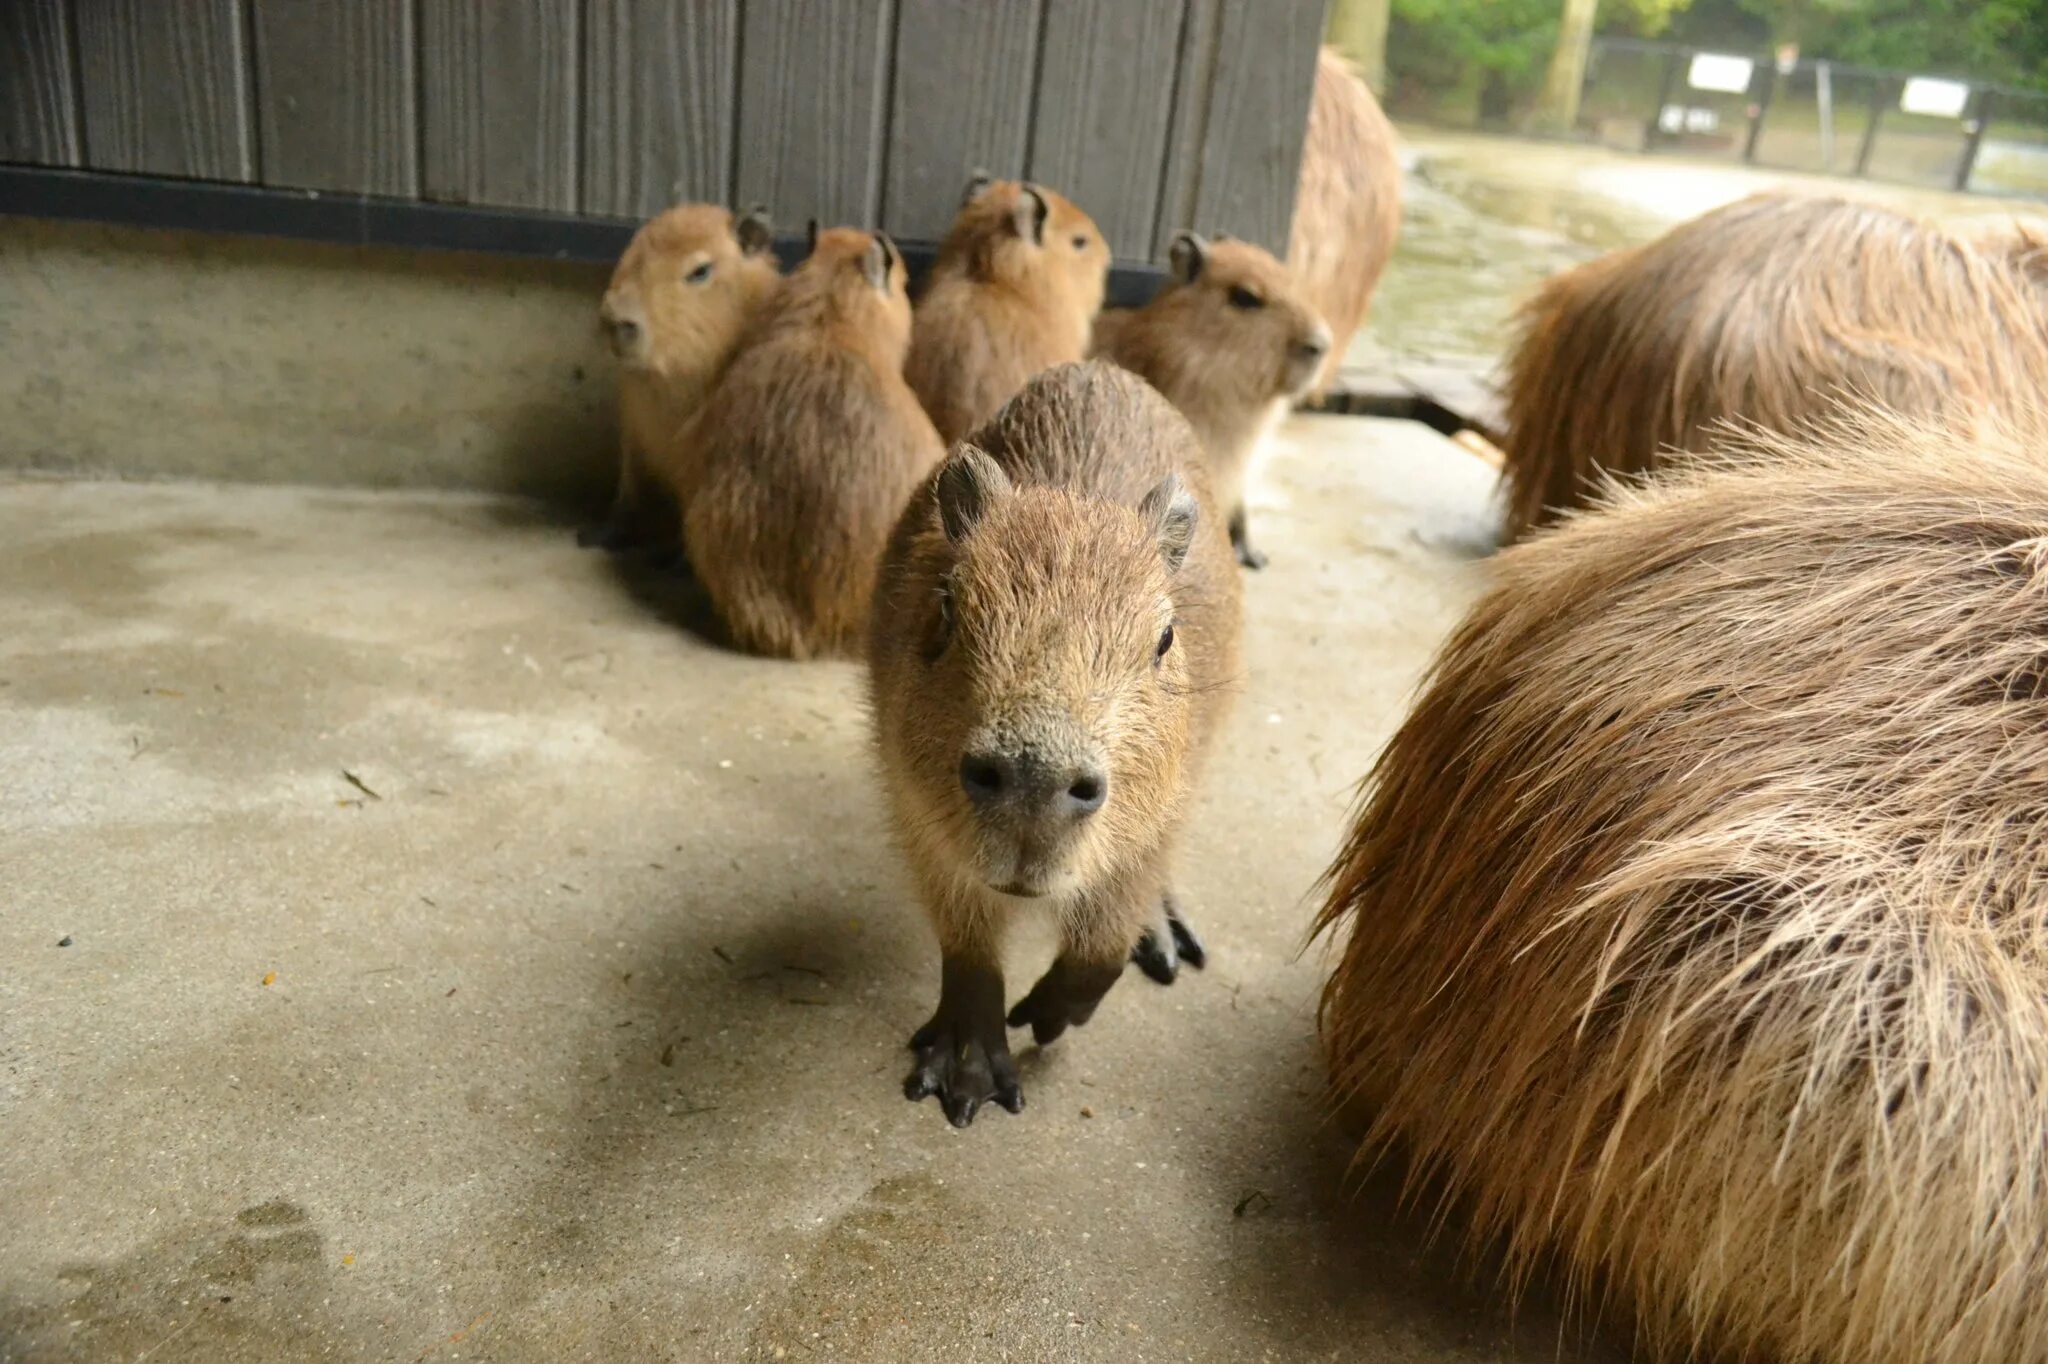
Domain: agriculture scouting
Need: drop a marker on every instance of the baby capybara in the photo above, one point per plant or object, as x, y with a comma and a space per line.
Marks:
689, 283
1054, 642
805, 453
1015, 290
1232, 340
1692, 926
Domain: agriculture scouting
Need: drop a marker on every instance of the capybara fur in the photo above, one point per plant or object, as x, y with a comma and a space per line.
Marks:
1231, 340
684, 292
805, 453
1015, 289
1055, 642
1347, 210
1695, 923
1765, 313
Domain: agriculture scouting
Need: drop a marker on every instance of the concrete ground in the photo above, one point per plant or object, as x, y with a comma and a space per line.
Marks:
416, 947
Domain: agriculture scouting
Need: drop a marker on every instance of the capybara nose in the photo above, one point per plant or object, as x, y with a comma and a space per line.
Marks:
625, 334
1313, 347
1030, 785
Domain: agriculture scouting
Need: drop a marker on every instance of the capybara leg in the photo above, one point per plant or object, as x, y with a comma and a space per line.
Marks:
1066, 995
1169, 943
637, 516
1241, 541
963, 1053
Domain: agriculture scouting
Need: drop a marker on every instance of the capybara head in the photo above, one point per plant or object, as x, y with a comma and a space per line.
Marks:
1236, 321
1012, 230
854, 281
686, 287
1050, 727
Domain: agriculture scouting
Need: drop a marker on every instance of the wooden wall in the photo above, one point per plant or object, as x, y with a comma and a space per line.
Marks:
1152, 114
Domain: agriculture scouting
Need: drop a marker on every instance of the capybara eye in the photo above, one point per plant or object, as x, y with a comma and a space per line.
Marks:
1080, 241
1165, 642
1241, 297
700, 274
942, 631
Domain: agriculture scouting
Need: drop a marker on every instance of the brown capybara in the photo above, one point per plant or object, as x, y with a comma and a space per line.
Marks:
805, 453
1054, 645
1347, 211
1015, 289
1763, 313
1695, 923
1232, 340
685, 290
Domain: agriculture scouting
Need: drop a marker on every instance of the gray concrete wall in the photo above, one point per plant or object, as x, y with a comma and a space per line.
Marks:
150, 354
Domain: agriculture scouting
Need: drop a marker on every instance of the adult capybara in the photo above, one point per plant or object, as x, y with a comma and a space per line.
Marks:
684, 291
1695, 924
1054, 643
1016, 286
802, 458
1347, 210
1764, 312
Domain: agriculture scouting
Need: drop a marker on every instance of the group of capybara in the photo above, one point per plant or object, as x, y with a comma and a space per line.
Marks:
1691, 934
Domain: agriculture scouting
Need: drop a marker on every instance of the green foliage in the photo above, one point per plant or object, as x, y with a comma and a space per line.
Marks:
1995, 40
1502, 46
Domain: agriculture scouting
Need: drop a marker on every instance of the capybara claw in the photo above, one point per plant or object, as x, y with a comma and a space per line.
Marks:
964, 1072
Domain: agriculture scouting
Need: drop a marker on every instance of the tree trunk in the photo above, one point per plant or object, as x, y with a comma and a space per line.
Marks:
1558, 109
1358, 29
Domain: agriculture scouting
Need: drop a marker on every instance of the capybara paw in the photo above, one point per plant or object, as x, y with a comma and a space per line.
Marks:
1249, 557
1168, 944
964, 1071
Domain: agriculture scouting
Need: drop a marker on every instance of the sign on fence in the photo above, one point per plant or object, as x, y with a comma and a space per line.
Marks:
1718, 71
1934, 98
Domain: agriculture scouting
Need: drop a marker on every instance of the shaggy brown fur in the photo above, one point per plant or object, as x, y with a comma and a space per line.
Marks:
805, 453
689, 283
1347, 210
1055, 637
1696, 921
1016, 285
1231, 340
1766, 311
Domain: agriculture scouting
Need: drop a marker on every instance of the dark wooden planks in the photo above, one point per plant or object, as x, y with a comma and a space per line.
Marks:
962, 101
1262, 78
659, 105
1104, 107
498, 91
165, 87
813, 83
336, 94
38, 98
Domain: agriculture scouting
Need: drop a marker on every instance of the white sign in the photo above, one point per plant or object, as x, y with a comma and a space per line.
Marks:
1715, 71
1676, 118
1934, 98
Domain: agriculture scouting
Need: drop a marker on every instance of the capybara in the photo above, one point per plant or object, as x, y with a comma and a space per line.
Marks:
688, 284
1054, 645
803, 456
1695, 923
1347, 211
1232, 340
1764, 312
1015, 289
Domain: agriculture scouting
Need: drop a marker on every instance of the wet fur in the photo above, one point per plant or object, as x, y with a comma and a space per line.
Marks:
1694, 926
1764, 311
804, 455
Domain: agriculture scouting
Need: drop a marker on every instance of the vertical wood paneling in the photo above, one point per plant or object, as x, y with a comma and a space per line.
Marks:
658, 105
962, 100
498, 102
38, 99
1258, 116
1180, 170
1105, 102
165, 87
813, 80
336, 94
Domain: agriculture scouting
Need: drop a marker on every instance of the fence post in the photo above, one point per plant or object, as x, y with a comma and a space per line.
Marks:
1651, 132
1881, 94
1758, 110
1975, 138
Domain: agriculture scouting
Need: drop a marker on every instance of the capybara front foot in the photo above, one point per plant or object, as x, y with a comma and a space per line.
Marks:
1249, 557
1064, 997
611, 535
1167, 944
1241, 543
963, 1053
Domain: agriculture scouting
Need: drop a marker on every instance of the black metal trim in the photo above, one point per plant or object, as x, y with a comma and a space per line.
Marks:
367, 220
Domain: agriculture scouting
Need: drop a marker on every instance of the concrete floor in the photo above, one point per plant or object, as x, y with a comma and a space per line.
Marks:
582, 1036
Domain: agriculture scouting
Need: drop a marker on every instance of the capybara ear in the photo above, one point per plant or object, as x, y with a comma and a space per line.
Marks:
976, 183
1188, 254
969, 484
879, 261
756, 234
1030, 214
1172, 513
